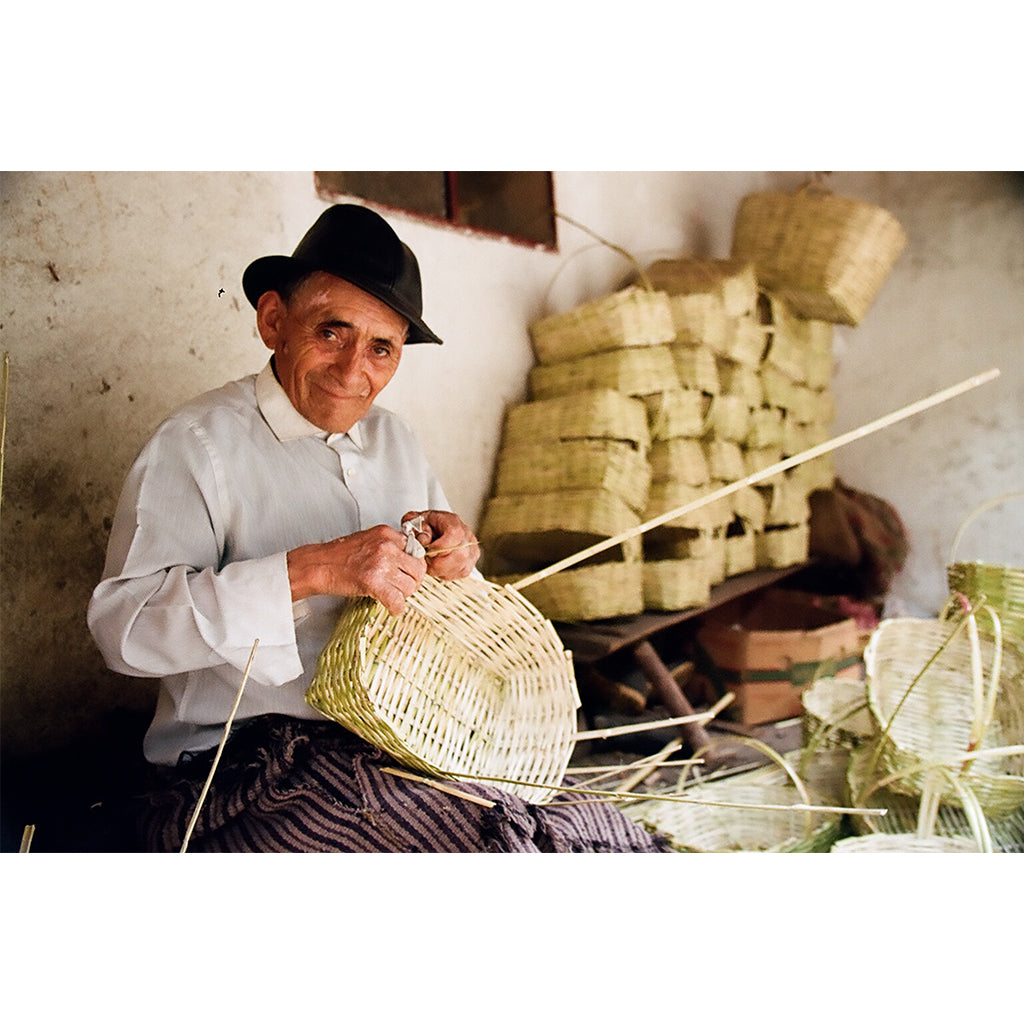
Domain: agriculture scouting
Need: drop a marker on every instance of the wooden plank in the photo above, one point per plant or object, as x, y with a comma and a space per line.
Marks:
591, 641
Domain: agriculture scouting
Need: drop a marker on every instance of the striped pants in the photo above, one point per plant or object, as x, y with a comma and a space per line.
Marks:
287, 785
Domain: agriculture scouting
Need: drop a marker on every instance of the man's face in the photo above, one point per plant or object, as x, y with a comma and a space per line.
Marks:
335, 348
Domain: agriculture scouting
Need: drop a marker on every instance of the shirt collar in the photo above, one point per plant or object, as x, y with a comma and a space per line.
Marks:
287, 423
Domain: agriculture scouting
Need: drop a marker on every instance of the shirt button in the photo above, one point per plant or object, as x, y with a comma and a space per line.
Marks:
350, 472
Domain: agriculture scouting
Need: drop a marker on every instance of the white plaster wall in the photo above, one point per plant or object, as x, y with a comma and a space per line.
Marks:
952, 307
131, 321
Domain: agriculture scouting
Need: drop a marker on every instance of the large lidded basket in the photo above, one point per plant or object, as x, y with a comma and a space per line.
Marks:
469, 681
826, 255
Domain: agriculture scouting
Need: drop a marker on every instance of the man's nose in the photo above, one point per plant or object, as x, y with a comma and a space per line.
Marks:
348, 362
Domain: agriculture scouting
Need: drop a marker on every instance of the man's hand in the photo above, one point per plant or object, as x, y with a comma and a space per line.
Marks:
452, 550
370, 563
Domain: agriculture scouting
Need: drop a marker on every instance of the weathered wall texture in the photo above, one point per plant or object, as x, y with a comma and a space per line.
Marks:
121, 298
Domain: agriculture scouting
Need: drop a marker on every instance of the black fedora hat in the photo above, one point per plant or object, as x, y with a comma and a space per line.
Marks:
358, 245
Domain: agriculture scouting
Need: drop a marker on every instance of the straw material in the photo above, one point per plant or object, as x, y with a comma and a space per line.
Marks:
714, 827
696, 367
820, 367
816, 475
728, 418
673, 585
908, 843
700, 320
740, 553
585, 415
670, 494
678, 544
787, 352
680, 459
903, 811
632, 316
825, 254
759, 458
631, 371
725, 460
612, 466
749, 505
836, 712
938, 695
732, 280
469, 679
745, 342
778, 387
678, 413
589, 592
765, 428
780, 547
1002, 586
786, 503
740, 380
539, 528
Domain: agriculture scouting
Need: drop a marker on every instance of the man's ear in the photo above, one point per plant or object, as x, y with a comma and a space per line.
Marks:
270, 311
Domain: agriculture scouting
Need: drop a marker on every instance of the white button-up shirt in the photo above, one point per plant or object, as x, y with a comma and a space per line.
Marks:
196, 566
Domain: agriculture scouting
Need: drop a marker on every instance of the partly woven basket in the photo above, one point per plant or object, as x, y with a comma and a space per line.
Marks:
825, 254
747, 813
613, 466
602, 413
470, 680
589, 592
630, 371
632, 316
927, 690
836, 713
907, 843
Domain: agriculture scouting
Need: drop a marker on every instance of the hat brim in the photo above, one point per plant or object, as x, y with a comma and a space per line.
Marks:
268, 272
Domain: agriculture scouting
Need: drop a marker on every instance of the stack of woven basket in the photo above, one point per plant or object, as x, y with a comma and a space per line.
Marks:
702, 373
573, 466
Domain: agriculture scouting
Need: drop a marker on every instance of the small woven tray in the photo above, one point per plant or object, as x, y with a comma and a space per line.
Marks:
469, 680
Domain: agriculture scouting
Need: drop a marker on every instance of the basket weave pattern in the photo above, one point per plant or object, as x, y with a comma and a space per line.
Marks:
469, 679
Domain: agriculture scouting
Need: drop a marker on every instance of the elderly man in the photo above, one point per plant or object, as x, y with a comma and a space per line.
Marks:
254, 512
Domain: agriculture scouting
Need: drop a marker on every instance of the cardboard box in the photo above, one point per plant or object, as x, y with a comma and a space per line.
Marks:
767, 648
